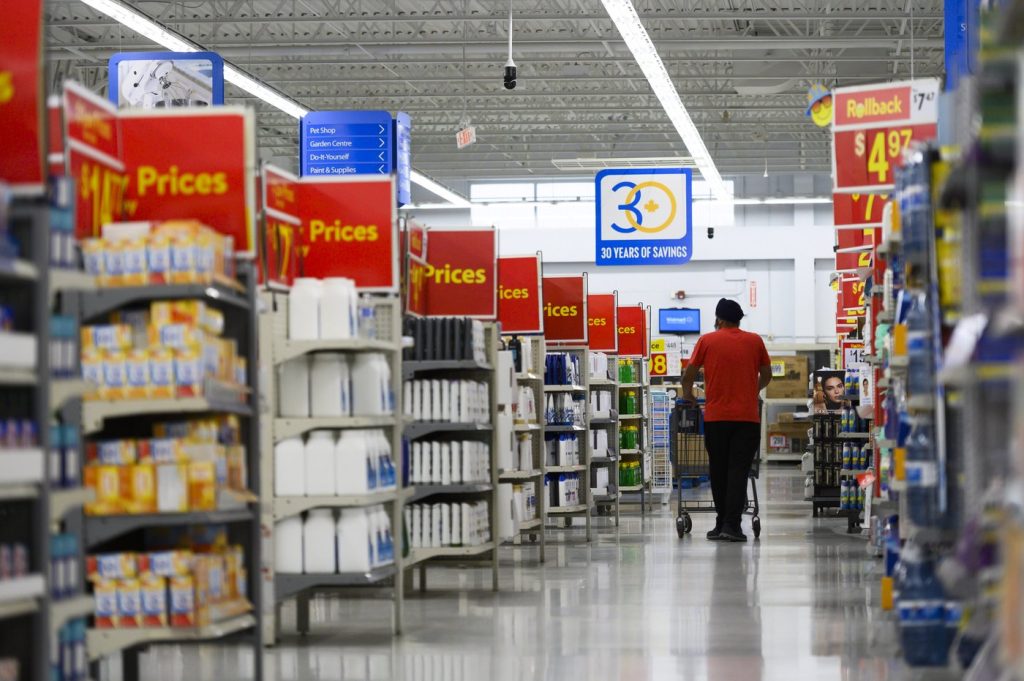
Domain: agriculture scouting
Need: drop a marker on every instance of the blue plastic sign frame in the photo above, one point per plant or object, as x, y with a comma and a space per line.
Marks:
403, 157
343, 143
625, 199
216, 75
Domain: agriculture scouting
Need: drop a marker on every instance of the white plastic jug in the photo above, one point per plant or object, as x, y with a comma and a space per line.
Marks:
338, 308
304, 309
318, 542
351, 463
288, 545
329, 385
293, 388
354, 541
320, 464
370, 378
290, 468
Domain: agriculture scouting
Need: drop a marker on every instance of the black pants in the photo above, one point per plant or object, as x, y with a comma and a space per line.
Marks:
731, 448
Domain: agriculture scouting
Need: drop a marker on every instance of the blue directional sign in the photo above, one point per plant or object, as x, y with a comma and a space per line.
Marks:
403, 157
345, 143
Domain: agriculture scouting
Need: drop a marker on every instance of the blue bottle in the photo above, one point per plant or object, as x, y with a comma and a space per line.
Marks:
922, 611
922, 475
921, 373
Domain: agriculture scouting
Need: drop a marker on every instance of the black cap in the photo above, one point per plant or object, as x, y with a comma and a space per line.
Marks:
729, 311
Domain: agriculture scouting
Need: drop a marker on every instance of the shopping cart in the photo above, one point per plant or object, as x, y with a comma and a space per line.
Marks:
691, 462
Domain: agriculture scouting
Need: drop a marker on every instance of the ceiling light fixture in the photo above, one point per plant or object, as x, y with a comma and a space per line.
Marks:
633, 33
143, 25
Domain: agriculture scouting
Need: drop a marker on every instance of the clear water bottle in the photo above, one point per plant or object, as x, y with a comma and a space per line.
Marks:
922, 611
922, 475
921, 374
367, 318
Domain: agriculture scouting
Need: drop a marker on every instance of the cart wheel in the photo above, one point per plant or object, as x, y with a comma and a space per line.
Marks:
680, 526
687, 523
756, 524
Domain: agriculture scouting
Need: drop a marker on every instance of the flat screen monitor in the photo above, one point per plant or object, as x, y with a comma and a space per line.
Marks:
678, 320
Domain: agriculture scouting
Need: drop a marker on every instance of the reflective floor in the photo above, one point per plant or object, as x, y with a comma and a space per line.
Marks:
637, 603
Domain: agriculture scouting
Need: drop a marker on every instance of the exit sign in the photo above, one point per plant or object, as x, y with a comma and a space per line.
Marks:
465, 137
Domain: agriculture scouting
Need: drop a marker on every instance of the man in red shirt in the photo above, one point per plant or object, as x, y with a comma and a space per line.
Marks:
736, 369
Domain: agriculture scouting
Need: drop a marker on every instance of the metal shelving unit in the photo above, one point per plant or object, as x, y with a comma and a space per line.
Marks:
470, 370
642, 452
583, 432
25, 500
238, 511
275, 349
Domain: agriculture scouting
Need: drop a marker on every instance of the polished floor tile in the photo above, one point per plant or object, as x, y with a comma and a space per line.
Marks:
637, 603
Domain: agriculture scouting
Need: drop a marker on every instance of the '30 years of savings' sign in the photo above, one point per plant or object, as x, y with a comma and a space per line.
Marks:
644, 216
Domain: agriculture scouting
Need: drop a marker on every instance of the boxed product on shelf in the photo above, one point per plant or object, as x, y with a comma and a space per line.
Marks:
357, 540
178, 588
564, 489
171, 349
790, 375
563, 449
447, 401
445, 338
445, 524
183, 467
787, 437
450, 463
169, 252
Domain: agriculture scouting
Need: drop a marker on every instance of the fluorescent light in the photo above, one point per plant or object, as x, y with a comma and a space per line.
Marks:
633, 33
440, 190
781, 201
429, 206
148, 28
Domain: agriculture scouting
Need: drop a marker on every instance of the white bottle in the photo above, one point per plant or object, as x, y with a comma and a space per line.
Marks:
293, 388
354, 541
525, 462
304, 309
318, 539
337, 308
350, 463
320, 464
329, 385
288, 546
369, 381
290, 468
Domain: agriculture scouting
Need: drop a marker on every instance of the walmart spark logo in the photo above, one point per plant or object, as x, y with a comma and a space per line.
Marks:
643, 216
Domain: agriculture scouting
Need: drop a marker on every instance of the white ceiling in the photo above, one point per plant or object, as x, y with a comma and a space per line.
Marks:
742, 69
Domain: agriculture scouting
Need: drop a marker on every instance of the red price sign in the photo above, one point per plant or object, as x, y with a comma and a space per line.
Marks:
658, 364
868, 159
854, 301
565, 309
416, 287
21, 94
520, 306
633, 332
857, 210
602, 322
462, 273
280, 205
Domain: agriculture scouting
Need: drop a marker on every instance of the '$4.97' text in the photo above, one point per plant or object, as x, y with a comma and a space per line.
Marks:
101, 189
883, 148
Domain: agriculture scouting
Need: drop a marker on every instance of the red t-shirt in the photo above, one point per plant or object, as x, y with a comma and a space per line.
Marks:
731, 359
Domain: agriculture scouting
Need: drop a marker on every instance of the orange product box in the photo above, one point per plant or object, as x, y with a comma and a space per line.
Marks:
114, 379
102, 567
237, 474
106, 337
106, 481
129, 604
92, 372
104, 595
154, 600
201, 575
202, 486
205, 255
172, 488
177, 563
182, 593
218, 578
158, 258
136, 267
136, 367
161, 373
138, 488
183, 258
188, 372
112, 452
166, 450
176, 336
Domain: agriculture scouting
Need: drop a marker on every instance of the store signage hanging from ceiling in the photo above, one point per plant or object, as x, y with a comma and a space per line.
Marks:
565, 308
873, 125
603, 322
21, 95
416, 235
644, 216
465, 137
333, 143
633, 337
819, 105
403, 157
350, 229
520, 304
282, 225
151, 80
853, 297
462, 272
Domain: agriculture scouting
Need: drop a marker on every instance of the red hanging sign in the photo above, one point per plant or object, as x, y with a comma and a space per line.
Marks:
349, 229
282, 221
415, 287
416, 234
462, 273
632, 327
21, 95
520, 305
602, 322
565, 309
851, 293
852, 211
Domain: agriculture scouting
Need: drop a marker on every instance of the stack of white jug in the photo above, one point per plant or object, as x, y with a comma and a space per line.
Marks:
323, 309
330, 385
359, 540
526, 406
598, 365
358, 462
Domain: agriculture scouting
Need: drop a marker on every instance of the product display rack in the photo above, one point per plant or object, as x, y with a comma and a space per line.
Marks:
468, 370
25, 604
641, 453
535, 527
767, 404
608, 503
275, 344
238, 511
566, 513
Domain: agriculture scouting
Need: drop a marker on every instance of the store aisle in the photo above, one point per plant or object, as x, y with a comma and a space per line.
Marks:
637, 604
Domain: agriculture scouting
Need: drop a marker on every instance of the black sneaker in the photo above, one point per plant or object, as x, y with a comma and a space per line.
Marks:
733, 534
715, 534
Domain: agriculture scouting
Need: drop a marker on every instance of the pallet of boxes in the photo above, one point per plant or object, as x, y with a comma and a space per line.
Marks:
790, 380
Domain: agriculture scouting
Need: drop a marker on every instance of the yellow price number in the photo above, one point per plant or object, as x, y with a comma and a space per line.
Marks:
285, 238
102, 189
883, 148
658, 364
6, 87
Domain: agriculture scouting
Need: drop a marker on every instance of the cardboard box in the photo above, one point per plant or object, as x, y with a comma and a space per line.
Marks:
788, 437
790, 376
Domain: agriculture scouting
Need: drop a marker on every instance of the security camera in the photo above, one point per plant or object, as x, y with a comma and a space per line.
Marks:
711, 232
510, 75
